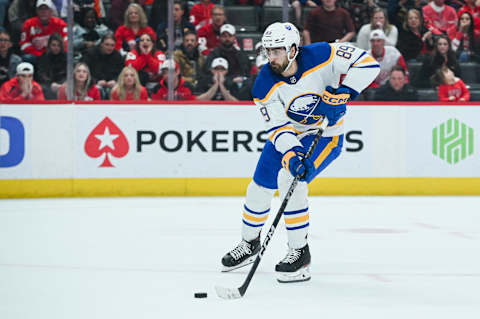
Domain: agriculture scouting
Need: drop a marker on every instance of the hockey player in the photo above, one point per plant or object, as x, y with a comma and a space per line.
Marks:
294, 92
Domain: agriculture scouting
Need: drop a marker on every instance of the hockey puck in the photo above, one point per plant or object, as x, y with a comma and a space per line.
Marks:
200, 295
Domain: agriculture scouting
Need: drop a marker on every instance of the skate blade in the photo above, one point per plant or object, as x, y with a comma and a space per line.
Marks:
246, 262
303, 274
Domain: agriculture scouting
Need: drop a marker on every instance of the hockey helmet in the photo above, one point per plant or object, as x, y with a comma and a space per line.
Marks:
280, 34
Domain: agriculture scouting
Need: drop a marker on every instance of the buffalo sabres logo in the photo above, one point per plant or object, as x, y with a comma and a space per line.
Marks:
293, 79
303, 109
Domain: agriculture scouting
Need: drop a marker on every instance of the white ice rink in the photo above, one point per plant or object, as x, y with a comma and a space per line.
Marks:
372, 257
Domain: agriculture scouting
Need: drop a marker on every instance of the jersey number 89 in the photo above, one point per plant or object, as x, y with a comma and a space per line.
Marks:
345, 51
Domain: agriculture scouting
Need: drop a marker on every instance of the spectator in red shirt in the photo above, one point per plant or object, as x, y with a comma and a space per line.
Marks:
85, 89
473, 7
464, 38
181, 91
147, 61
201, 13
135, 24
22, 87
128, 87
439, 16
37, 30
209, 35
450, 88
328, 23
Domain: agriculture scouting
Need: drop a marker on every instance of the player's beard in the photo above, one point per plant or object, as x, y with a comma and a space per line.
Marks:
279, 68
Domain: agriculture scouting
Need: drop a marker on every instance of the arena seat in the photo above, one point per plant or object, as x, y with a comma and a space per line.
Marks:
427, 95
475, 95
275, 14
469, 72
247, 40
413, 68
244, 18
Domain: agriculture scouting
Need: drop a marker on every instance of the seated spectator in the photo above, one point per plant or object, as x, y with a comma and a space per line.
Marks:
209, 35
450, 88
245, 92
360, 10
258, 52
239, 65
217, 86
105, 64
135, 24
128, 87
84, 87
18, 12
3, 11
88, 32
189, 59
22, 87
78, 7
180, 26
52, 67
387, 56
442, 55
397, 10
298, 5
472, 7
8, 60
147, 61
328, 23
182, 90
439, 17
158, 13
201, 13
379, 21
464, 38
117, 13
415, 40
37, 30
397, 88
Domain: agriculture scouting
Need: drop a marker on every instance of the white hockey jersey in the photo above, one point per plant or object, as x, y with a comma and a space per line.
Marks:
289, 105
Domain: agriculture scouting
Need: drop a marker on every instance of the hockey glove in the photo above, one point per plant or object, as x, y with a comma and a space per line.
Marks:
334, 103
295, 162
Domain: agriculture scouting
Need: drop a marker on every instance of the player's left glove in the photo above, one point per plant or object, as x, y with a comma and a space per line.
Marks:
295, 162
334, 103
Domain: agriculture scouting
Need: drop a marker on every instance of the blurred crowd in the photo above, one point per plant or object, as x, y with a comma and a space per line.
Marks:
120, 47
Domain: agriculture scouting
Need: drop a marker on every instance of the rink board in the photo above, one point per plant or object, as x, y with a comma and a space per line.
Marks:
202, 149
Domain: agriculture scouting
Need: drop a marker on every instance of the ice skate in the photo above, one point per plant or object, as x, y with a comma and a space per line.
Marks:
295, 266
242, 255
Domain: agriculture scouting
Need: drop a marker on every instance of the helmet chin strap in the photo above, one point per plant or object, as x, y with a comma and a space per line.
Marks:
290, 61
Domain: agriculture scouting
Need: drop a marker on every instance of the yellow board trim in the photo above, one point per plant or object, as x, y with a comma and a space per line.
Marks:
296, 220
112, 187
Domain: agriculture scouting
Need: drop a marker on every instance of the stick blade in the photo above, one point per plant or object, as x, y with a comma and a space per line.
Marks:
228, 293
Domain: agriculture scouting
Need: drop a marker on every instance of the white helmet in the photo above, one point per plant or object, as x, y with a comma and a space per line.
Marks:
282, 34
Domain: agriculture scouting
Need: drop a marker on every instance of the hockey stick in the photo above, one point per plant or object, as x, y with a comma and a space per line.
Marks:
236, 293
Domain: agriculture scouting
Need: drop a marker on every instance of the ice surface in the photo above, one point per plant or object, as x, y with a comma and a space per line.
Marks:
116, 258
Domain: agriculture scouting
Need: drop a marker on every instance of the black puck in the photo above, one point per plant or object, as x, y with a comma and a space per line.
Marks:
200, 295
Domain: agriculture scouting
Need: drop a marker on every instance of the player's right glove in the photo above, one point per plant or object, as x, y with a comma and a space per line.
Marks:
334, 103
295, 162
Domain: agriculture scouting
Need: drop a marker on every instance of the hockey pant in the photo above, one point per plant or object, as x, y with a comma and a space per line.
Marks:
270, 176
